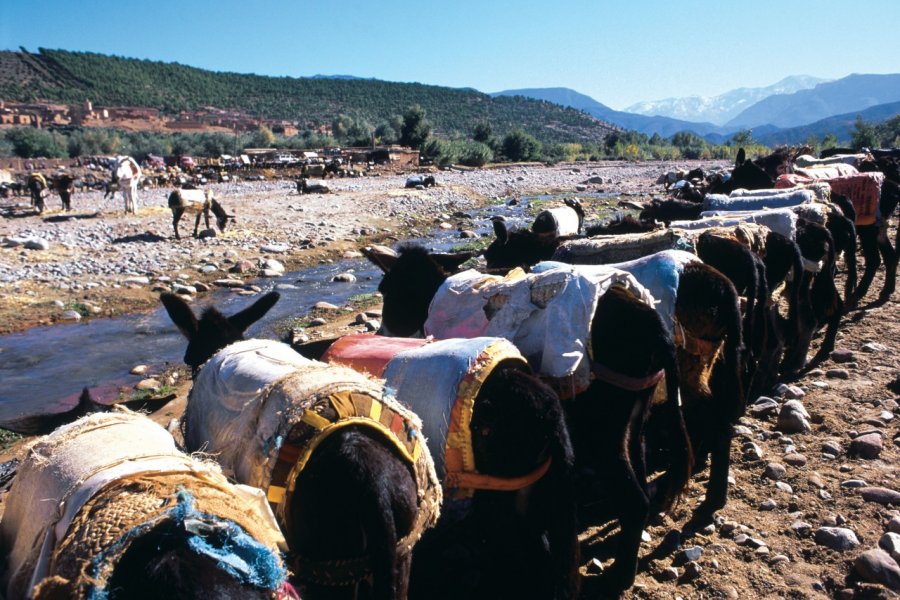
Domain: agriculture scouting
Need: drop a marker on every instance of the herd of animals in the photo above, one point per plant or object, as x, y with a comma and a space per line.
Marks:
459, 451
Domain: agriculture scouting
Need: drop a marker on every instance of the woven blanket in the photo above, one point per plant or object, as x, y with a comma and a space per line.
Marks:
658, 273
611, 249
820, 188
778, 199
864, 191
262, 409
440, 382
829, 172
546, 315
369, 353
779, 220
805, 161
67, 471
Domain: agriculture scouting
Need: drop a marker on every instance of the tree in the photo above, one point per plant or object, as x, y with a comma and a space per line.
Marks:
744, 138
415, 129
262, 138
830, 141
864, 135
28, 142
482, 133
518, 145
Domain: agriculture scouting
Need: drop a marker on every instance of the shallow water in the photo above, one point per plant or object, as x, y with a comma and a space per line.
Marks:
44, 369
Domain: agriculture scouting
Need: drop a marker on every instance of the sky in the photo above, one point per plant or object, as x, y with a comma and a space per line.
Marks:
618, 52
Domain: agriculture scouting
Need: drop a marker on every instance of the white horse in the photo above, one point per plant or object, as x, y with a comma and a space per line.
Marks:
127, 173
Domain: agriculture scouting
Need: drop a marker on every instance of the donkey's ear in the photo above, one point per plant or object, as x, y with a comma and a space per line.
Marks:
500, 230
253, 313
450, 262
181, 314
381, 256
741, 158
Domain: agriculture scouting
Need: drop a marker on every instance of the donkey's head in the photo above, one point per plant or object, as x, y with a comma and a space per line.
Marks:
222, 217
213, 330
411, 279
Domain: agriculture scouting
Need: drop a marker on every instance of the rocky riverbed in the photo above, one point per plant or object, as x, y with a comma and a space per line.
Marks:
97, 260
815, 491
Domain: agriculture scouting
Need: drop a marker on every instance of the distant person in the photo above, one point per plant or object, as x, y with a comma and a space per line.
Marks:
65, 187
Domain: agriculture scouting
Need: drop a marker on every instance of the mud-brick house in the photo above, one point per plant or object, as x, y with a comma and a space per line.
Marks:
396, 157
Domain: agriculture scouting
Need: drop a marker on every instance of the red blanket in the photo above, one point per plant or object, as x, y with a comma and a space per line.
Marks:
863, 189
368, 353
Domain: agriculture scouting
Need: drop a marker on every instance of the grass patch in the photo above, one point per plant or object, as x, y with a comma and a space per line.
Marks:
474, 245
8, 438
139, 395
80, 308
361, 301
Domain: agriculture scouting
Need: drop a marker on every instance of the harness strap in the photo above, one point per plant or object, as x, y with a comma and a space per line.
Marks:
626, 382
480, 481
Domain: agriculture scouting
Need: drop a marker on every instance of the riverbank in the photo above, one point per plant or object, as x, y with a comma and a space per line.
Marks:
99, 262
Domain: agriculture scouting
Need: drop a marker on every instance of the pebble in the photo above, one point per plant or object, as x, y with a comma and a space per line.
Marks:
687, 555
692, 570
881, 495
790, 391
874, 347
832, 447
325, 306
894, 524
752, 451
837, 374
70, 315
763, 406
784, 487
139, 369
344, 277
793, 418
866, 446
836, 538
775, 471
275, 248
136, 281
801, 528
241, 266
853, 483
317, 322
890, 543
795, 459
842, 355
668, 574
769, 504
37, 244
147, 384
229, 283
877, 566
594, 566
778, 559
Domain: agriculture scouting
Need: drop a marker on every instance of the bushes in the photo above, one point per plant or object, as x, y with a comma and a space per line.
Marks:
518, 146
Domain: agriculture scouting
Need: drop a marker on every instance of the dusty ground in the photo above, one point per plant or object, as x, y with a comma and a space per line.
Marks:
763, 544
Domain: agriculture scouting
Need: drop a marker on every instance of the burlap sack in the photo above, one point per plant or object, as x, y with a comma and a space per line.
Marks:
88, 490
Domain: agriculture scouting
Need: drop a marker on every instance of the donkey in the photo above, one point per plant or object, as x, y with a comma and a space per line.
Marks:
358, 495
627, 366
516, 497
196, 202
38, 189
530, 246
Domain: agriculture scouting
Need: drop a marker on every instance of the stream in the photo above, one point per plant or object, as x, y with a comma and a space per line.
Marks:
44, 369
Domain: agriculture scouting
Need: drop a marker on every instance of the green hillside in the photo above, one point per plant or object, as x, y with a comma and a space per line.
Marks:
72, 77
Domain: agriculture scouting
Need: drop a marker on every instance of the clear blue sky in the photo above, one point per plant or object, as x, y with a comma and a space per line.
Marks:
617, 52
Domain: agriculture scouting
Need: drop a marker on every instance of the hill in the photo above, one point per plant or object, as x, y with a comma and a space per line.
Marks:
73, 77
840, 125
852, 93
724, 107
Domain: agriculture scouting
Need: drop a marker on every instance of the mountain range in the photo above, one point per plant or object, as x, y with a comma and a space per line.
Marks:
720, 109
788, 117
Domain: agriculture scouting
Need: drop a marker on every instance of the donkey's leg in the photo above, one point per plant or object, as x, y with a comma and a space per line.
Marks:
868, 240
197, 223
889, 254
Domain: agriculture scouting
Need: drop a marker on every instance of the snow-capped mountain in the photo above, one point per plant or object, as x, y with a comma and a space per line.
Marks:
724, 107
